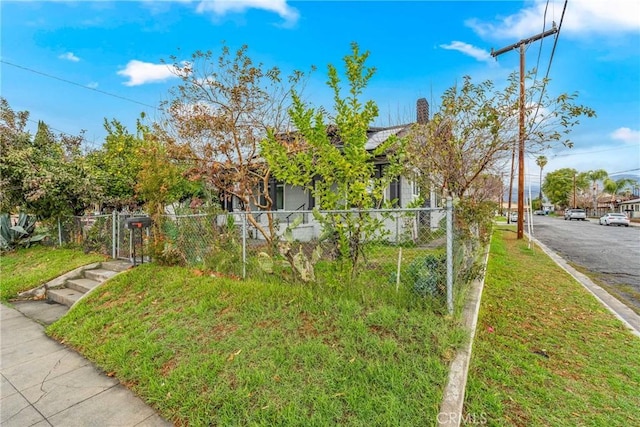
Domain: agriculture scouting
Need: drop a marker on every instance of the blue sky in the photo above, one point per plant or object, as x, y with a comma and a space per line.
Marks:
74, 63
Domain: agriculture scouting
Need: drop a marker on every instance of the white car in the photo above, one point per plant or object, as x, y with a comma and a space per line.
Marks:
614, 218
577, 214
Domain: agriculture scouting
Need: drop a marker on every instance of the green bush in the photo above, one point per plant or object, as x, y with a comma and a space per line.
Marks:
427, 275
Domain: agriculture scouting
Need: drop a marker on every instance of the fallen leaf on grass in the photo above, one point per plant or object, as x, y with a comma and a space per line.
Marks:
233, 355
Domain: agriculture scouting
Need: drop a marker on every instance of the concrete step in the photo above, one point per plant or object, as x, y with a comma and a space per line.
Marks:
99, 274
74, 288
82, 285
116, 265
65, 296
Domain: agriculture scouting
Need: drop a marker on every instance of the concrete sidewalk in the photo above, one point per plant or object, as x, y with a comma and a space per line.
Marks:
43, 383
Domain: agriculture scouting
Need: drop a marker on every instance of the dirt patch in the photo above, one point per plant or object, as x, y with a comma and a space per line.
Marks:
307, 328
168, 367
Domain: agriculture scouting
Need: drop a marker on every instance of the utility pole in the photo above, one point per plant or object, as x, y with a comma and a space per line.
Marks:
522, 44
574, 191
513, 166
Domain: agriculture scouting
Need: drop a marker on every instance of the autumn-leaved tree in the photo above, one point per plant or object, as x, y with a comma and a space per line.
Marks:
596, 176
327, 155
221, 111
476, 125
462, 141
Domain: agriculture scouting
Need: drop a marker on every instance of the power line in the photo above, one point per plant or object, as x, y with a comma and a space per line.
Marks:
621, 172
555, 40
76, 84
553, 50
544, 24
595, 151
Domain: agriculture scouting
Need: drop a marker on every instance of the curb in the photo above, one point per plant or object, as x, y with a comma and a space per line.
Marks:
623, 313
450, 414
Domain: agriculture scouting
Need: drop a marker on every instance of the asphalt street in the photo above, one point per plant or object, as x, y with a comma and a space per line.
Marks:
610, 254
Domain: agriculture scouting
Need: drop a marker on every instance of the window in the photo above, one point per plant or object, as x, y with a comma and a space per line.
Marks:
415, 188
279, 201
394, 192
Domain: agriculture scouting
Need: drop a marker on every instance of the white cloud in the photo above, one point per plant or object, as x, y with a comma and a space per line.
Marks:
69, 56
93, 85
582, 17
140, 73
467, 49
222, 7
626, 135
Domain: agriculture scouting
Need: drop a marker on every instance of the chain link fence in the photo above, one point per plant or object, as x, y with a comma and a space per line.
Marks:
415, 248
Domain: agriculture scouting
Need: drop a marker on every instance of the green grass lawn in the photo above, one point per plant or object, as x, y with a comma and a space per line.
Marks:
209, 350
546, 353
26, 269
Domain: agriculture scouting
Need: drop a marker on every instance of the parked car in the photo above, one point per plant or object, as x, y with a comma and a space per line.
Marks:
513, 217
614, 218
577, 214
538, 212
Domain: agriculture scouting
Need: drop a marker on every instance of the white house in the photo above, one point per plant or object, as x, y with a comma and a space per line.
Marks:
291, 202
630, 207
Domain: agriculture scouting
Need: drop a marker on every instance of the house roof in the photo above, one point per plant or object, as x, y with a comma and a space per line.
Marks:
379, 135
629, 202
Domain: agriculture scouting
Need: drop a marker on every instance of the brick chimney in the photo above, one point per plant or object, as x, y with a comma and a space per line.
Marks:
422, 109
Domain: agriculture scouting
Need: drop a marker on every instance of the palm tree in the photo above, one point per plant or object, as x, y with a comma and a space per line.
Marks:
541, 161
595, 176
615, 187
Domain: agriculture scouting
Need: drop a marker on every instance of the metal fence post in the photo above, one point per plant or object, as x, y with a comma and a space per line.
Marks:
59, 233
244, 245
114, 234
397, 228
450, 254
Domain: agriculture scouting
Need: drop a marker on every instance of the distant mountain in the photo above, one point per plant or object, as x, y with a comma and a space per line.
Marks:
635, 177
535, 192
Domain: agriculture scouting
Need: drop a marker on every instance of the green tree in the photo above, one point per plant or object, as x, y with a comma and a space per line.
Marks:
161, 179
15, 163
117, 165
561, 185
45, 175
327, 156
618, 187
